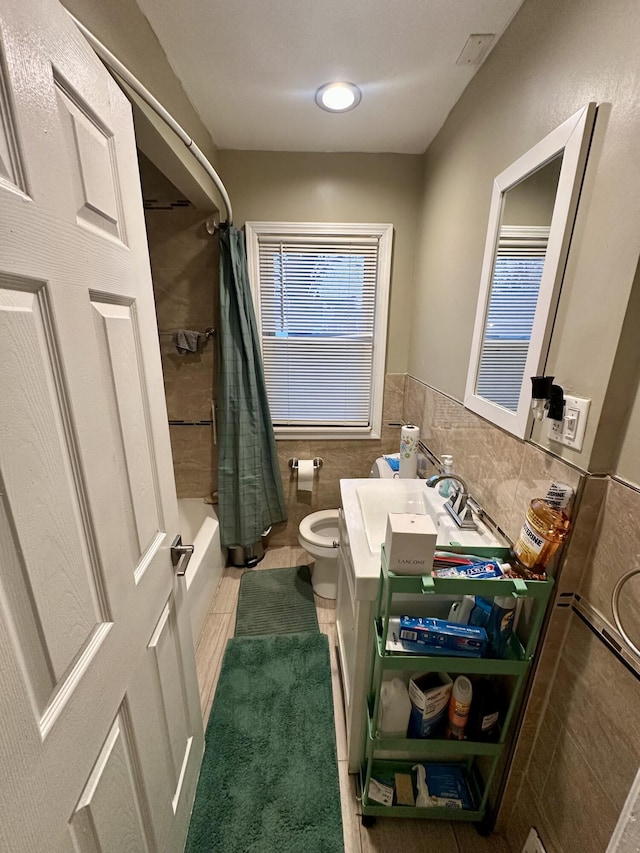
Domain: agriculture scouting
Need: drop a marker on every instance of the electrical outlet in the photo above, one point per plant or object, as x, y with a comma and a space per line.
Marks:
533, 844
570, 430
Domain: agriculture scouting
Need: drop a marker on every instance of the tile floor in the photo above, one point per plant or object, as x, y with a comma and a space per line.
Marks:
387, 835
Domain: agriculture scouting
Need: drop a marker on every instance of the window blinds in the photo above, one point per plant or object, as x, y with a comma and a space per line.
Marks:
511, 310
317, 317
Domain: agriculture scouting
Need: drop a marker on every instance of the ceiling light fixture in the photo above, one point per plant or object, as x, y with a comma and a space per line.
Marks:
338, 97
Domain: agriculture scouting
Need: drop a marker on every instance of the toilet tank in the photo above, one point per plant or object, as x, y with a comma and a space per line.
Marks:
381, 469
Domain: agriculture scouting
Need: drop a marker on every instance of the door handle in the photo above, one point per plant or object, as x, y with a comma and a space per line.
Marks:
180, 555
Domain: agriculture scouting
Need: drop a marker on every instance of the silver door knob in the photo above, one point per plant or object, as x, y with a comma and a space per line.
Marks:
180, 555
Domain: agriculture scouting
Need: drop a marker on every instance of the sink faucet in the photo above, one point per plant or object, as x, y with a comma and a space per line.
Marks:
456, 506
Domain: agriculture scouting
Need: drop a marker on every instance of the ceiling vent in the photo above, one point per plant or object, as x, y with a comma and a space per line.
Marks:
475, 49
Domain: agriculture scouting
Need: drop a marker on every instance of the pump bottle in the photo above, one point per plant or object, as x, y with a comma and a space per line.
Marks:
447, 468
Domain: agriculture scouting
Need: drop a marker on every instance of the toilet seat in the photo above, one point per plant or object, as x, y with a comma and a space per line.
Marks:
311, 526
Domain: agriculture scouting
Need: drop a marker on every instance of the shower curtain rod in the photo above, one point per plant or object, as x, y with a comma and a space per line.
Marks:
122, 71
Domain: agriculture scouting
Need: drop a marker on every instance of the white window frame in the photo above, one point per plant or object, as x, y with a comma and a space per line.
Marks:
384, 233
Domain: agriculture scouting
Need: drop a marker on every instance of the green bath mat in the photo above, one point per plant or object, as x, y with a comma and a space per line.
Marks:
276, 601
269, 777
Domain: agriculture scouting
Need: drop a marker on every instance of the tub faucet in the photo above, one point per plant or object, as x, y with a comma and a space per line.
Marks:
457, 505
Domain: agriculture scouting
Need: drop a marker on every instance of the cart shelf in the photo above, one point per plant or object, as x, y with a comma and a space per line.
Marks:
466, 752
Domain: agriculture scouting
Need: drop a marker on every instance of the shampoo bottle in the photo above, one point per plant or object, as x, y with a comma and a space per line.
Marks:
459, 706
447, 468
545, 527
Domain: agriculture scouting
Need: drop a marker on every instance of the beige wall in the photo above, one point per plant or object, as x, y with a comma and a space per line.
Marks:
279, 186
553, 59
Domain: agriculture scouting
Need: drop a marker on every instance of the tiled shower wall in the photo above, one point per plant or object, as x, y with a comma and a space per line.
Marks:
184, 266
579, 745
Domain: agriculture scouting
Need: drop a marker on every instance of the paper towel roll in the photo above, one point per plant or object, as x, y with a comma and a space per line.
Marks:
409, 438
305, 475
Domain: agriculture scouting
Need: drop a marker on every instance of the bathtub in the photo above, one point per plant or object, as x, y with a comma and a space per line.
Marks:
199, 527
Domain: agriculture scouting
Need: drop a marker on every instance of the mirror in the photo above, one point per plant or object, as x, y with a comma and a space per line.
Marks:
532, 212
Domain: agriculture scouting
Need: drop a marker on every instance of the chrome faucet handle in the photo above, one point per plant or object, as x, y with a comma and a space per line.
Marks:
433, 481
456, 505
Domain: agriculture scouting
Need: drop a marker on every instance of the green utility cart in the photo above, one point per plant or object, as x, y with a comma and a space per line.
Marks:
479, 759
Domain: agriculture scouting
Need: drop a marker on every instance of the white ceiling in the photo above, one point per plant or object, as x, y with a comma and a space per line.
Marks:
251, 67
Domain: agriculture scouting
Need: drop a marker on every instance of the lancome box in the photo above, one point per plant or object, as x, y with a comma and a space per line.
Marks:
410, 543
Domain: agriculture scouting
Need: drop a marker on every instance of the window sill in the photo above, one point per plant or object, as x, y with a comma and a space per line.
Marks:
301, 434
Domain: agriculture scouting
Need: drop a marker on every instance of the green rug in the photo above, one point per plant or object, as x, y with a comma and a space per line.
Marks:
276, 601
269, 777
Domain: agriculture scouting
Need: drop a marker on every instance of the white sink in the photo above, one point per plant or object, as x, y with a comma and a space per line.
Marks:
378, 498
366, 504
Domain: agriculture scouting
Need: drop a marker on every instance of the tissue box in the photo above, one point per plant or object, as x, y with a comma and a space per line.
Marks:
410, 543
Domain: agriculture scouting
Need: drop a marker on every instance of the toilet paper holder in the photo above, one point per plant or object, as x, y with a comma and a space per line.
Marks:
317, 463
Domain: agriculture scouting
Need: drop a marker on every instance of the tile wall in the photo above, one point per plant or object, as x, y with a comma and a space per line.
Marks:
184, 265
579, 746
586, 753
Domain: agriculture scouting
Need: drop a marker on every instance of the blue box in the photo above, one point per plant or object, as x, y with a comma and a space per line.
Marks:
447, 784
438, 637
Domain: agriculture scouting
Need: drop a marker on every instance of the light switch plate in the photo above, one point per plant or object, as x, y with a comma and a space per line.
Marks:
533, 844
570, 430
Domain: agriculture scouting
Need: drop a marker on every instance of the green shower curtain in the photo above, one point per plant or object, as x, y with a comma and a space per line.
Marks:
250, 495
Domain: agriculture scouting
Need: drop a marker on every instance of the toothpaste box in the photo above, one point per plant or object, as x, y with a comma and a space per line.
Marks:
429, 696
410, 543
477, 571
439, 637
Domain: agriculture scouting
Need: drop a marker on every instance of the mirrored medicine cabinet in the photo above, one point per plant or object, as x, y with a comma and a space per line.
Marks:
531, 217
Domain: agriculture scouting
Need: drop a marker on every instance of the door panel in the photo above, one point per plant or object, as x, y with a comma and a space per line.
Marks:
113, 787
101, 734
43, 485
91, 160
117, 335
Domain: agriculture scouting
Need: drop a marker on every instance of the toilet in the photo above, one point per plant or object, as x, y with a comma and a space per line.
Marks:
382, 470
318, 535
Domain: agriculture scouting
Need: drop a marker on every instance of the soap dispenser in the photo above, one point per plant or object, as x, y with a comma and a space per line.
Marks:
447, 468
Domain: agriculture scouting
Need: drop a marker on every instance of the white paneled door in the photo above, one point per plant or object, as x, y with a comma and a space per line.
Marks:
100, 727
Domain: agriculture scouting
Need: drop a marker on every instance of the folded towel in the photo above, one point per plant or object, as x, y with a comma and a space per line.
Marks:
393, 461
187, 340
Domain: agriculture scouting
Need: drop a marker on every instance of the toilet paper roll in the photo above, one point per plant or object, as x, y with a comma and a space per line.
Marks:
305, 475
409, 438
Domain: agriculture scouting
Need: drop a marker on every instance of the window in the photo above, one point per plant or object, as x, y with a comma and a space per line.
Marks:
321, 292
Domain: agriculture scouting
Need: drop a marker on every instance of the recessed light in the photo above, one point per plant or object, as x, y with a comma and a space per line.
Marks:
338, 97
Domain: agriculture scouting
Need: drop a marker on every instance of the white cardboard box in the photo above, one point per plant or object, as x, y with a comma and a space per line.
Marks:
410, 543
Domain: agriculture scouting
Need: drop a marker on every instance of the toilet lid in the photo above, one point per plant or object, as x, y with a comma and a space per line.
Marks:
311, 528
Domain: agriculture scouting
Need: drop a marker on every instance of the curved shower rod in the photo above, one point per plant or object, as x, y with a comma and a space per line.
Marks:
122, 71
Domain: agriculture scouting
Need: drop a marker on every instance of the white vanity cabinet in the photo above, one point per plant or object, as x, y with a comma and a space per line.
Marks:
354, 630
